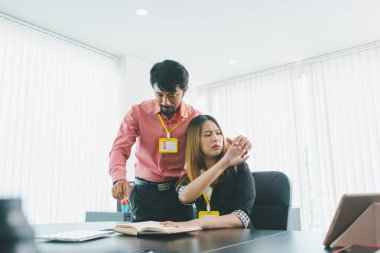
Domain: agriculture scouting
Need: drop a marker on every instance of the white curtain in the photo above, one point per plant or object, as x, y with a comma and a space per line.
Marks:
58, 106
317, 121
344, 143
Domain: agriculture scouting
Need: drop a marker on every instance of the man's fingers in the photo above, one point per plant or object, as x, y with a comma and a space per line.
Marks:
240, 141
243, 143
237, 140
247, 146
113, 193
119, 189
120, 192
126, 190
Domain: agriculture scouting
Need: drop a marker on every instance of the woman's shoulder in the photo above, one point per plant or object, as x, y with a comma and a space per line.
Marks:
239, 170
243, 168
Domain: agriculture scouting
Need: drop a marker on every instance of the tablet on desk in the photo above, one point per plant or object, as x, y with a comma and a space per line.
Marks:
356, 248
76, 235
350, 207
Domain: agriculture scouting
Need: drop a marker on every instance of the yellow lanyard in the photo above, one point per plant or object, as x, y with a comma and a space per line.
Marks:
207, 201
166, 129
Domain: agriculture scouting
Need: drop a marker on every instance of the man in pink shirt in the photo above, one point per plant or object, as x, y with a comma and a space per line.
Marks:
158, 127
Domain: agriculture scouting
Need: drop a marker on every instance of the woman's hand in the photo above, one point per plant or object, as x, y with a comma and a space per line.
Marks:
225, 221
235, 155
242, 142
191, 223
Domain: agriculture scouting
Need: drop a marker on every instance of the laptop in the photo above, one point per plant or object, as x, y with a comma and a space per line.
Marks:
350, 207
76, 235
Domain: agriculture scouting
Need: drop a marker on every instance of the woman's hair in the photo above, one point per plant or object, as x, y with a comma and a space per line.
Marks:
194, 156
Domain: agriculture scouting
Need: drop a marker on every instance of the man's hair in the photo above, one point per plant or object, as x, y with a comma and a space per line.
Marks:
168, 74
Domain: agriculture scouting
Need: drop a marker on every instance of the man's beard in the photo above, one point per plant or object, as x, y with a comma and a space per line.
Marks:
169, 111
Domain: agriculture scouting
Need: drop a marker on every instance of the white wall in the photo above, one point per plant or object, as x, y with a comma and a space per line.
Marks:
136, 85
60, 108
135, 88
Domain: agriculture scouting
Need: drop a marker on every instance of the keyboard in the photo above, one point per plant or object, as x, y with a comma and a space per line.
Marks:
76, 235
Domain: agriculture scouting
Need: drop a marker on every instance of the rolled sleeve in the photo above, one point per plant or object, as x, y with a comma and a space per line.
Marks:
245, 194
180, 190
243, 217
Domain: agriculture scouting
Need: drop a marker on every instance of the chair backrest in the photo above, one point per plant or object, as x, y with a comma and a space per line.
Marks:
273, 200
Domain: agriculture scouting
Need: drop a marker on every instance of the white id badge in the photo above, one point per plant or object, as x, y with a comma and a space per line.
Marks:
168, 146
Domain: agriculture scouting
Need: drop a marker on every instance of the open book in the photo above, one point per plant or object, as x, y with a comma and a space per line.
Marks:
150, 227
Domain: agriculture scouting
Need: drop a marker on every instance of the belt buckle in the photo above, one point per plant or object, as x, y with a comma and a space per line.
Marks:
163, 187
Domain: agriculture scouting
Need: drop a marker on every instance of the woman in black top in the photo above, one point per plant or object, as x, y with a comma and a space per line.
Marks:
217, 178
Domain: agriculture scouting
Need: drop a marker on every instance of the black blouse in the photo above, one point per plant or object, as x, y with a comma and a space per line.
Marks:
235, 193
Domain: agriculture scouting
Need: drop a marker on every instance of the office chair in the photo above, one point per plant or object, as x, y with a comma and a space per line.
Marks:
273, 200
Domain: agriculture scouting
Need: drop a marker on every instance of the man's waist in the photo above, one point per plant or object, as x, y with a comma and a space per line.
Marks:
153, 174
159, 186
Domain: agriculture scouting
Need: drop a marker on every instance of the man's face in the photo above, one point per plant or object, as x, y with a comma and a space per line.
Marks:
169, 101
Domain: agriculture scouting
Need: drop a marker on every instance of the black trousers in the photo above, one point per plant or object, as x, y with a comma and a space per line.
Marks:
151, 204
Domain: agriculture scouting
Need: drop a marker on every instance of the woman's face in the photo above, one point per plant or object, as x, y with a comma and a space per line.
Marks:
211, 139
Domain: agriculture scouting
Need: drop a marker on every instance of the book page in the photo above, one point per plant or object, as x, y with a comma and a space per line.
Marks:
148, 226
145, 224
171, 230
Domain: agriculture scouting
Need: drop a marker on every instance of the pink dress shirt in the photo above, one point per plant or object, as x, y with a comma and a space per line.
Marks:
141, 125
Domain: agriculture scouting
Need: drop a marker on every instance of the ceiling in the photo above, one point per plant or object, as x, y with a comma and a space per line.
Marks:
205, 34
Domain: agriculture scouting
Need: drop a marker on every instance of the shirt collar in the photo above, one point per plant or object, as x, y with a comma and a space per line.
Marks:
182, 112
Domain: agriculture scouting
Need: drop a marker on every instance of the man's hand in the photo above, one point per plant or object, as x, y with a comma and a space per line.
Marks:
121, 189
235, 156
242, 142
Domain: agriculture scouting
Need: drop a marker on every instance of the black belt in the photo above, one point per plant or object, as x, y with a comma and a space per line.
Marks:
159, 186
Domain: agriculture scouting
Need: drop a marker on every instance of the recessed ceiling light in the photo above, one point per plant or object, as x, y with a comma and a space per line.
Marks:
232, 61
142, 12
